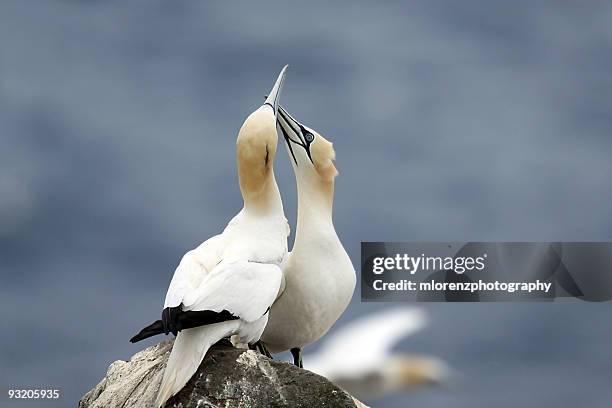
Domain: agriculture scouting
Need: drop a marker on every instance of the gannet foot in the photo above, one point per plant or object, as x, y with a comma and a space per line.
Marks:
297, 356
261, 348
225, 342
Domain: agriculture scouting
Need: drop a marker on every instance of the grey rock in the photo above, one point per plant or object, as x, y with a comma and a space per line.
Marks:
228, 377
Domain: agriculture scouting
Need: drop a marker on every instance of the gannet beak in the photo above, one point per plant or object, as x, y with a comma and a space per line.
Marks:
273, 96
288, 120
294, 132
292, 129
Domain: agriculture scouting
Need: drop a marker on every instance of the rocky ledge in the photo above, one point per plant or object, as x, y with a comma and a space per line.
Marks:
228, 377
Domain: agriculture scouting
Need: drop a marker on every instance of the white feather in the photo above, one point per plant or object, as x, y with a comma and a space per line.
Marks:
245, 289
194, 265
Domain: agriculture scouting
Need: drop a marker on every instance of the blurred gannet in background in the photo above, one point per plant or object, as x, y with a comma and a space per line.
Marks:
319, 276
358, 356
226, 286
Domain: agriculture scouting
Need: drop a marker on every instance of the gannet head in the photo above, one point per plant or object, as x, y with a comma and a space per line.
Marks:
416, 371
256, 145
310, 153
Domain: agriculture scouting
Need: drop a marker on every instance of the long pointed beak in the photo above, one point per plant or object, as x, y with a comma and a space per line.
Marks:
274, 95
293, 133
292, 129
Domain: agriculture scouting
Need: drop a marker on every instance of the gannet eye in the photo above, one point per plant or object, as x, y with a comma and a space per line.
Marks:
309, 137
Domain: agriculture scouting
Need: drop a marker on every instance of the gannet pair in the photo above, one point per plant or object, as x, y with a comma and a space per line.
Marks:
359, 359
227, 286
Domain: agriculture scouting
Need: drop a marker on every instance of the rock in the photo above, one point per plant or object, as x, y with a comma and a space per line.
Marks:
228, 377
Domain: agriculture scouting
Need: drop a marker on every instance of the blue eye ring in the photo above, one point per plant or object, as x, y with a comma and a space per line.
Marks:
309, 137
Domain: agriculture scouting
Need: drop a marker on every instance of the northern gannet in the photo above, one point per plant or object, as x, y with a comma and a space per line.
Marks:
225, 286
358, 356
319, 275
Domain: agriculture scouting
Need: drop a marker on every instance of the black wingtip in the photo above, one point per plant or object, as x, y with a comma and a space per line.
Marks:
177, 321
171, 319
151, 330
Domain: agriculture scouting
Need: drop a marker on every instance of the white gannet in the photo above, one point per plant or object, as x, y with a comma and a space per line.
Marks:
358, 356
225, 286
319, 275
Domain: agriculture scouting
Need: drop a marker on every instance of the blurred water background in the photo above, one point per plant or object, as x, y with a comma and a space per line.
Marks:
474, 120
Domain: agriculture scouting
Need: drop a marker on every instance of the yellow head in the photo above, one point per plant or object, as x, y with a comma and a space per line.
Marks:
310, 153
256, 147
255, 151
415, 371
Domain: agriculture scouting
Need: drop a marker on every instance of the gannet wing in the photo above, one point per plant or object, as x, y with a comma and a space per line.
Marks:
284, 262
245, 289
283, 281
364, 343
193, 267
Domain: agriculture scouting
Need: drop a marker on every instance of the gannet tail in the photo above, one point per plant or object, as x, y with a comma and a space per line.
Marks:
151, 330
189, 349
185, 320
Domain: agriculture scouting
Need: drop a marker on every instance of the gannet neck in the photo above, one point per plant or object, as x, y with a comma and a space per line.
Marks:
255, 152
315, 208
265, 201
